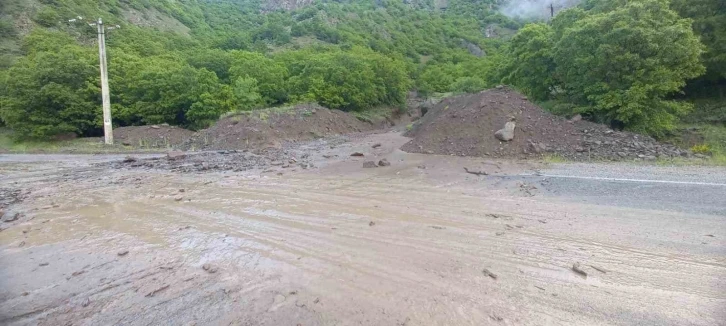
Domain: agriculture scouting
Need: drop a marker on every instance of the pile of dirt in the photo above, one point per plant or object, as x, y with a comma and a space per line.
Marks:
153, 136
272, 127
466, 126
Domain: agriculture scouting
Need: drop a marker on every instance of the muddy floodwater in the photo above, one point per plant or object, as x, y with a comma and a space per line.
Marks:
419, 242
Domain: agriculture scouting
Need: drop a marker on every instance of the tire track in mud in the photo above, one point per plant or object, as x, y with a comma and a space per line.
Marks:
279, 235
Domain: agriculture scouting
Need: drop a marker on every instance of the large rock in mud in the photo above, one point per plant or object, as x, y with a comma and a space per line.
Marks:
506, 133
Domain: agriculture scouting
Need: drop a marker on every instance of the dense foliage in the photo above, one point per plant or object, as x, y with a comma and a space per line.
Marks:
204, 59
620, 62
188, 62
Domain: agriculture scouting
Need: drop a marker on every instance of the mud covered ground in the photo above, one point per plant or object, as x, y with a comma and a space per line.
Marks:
420, 242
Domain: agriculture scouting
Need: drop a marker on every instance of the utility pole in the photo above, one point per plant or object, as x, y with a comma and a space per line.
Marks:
105, 95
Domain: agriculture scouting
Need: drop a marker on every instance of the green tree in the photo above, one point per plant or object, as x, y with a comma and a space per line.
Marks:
625, 63
531, 65
49, 93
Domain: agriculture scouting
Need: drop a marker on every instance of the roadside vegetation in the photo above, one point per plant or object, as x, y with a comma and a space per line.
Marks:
652, 66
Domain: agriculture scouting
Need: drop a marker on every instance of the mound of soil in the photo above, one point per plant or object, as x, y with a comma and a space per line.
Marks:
272, 127
154, 136
465, 125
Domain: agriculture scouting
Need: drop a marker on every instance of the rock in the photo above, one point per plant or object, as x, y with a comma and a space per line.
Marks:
650, 157
178, 198
384, 162
622, 154
12, 218
175, 155
369, 164
126, 143
209, 268
276, 163
535, 147
129, 159
579, 149
123, 253
154, 127
506, 133
182, 190
576, 117
43, 264
357, 154
371, 223
86, 302
376, 145
499, 86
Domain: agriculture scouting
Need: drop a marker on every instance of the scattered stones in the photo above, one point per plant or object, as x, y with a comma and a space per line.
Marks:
376, 145
369, 164
122, 252
209, 268
489, 273
384, 162
506, 133
359, 154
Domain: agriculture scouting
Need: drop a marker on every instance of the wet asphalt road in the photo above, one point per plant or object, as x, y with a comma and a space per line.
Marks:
689, 189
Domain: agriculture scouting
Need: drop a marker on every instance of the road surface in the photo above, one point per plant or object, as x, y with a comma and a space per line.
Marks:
420, 242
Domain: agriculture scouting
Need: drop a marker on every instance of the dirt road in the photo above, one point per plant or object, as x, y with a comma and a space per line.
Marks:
420, 242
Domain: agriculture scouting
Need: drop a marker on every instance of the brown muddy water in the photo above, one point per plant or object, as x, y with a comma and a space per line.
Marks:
420, 242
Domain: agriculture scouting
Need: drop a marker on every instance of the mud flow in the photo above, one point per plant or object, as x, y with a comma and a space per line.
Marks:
104, 240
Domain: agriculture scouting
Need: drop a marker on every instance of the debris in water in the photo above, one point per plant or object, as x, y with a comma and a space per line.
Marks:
599, 269
162, 288
475, 172
489, 273
576, 268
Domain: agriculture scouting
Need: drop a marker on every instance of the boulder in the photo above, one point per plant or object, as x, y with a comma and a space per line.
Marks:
506, 133
175, 155
369, 164
384, 162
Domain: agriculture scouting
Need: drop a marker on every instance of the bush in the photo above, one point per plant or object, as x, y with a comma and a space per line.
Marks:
47, 17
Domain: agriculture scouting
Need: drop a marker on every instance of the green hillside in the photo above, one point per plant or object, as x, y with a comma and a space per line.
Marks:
186, 62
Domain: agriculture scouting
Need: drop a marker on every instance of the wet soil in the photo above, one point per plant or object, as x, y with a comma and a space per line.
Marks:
152, 136
413, 243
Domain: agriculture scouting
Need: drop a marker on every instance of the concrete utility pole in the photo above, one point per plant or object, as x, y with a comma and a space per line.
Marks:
105, 95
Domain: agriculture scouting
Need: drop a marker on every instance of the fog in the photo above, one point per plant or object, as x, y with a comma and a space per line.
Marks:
534, 9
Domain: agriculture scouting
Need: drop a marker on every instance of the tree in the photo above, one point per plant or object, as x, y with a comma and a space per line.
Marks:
50, 93
531, 64
625, 63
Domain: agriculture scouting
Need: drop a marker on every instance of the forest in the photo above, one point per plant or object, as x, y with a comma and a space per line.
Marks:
644, 65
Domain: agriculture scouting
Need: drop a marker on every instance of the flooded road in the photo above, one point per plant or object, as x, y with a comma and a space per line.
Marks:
420, 242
